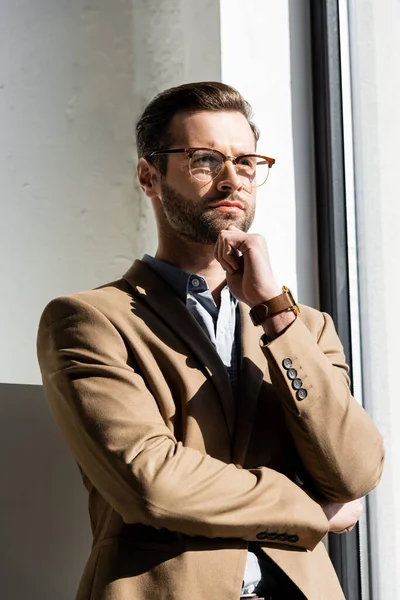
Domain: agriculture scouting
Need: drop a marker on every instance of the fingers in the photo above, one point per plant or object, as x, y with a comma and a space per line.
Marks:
343, 517
227, 250
245, 259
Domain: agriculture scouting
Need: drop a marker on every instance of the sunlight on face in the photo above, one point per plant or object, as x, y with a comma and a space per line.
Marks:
187, 202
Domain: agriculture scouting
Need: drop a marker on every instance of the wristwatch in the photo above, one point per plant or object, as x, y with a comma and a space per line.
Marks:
282, 303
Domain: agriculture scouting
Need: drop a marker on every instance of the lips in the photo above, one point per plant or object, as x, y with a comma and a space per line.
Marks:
234, 204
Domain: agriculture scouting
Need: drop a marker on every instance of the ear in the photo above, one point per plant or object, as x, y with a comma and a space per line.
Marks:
149, 178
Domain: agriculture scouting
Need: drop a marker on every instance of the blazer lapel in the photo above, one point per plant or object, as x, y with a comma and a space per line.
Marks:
253, 366
157, 294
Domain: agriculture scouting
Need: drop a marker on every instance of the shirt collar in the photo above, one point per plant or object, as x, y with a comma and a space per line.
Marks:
176, 278
173, 276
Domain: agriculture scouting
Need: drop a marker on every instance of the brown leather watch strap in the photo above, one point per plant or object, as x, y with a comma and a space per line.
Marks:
274, 306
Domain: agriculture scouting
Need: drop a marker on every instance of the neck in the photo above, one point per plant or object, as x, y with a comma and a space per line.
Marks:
193, 258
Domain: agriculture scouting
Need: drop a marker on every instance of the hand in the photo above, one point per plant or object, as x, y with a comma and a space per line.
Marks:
245, 258
342, 517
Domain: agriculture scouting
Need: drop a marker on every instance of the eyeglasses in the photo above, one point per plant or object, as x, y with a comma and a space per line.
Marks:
205, 164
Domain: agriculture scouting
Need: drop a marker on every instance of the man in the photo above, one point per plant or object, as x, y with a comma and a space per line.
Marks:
212, 422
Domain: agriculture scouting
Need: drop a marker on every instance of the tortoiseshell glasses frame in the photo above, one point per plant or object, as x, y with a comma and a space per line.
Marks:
205, 164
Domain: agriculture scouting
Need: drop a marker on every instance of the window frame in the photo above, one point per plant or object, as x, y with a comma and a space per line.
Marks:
333, 254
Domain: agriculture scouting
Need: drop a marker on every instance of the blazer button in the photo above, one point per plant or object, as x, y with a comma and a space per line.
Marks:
293, 538
272, 536
283, 537
287, 363
292, 373
262, 535
297, 383
301, 394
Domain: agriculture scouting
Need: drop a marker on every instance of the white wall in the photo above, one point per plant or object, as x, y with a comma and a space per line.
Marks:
67, 220
375, 60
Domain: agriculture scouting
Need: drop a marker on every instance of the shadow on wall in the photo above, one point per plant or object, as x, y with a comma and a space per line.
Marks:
44, 525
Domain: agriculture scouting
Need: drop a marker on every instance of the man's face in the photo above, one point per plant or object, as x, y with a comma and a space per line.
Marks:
188, 204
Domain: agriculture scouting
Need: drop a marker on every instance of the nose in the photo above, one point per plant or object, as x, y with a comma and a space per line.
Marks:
228, 180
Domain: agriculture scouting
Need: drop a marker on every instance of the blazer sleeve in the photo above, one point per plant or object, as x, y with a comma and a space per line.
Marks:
337, 442
113, 426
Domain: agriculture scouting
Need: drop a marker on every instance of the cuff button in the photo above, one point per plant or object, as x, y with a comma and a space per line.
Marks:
287, 363
293, 538
301, 394
297, 383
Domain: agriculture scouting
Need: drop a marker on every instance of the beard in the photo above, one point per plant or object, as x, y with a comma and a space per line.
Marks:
195, 222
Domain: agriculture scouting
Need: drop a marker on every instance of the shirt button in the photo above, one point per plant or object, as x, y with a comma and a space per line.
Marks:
301, 394
195, 282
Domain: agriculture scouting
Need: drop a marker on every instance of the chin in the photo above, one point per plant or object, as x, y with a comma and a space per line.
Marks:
230, 219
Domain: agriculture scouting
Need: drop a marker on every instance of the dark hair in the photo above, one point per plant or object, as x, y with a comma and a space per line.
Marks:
152, 129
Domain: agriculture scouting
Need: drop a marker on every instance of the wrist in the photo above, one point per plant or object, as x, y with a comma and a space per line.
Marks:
276, 325
282, 305
264, 295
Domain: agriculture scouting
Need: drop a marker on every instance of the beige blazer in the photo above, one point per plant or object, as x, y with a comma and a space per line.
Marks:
145, 405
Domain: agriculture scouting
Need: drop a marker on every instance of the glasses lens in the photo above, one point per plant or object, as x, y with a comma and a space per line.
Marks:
204, 165
253, 169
